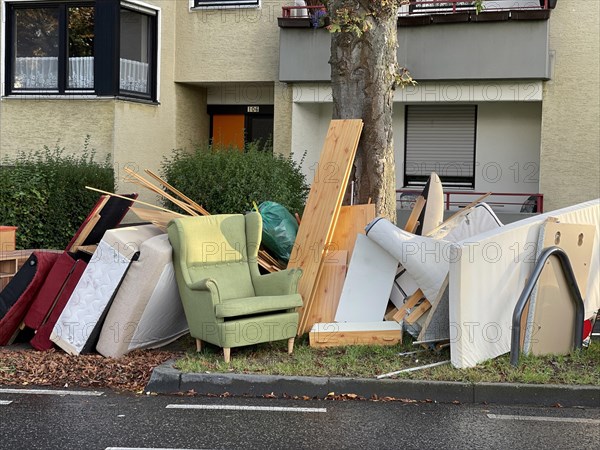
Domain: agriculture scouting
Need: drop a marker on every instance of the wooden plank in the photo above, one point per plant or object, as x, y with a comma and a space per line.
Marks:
323, 204
89, 226
390, 315
437, 325
459, 212
342, 334
413, 219
185, 198
418, 311
159, 218
329, 290
408, 304
351, 222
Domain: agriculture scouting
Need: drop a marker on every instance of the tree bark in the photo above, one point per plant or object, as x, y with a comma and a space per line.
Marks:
363, 70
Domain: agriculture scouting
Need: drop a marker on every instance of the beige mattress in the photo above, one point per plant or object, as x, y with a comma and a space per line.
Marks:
147, 311
77, 327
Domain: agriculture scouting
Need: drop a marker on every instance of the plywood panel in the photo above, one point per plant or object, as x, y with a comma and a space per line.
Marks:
323, 205
551, 321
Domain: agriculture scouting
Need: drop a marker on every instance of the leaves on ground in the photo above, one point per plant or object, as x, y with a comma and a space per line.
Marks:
55, 368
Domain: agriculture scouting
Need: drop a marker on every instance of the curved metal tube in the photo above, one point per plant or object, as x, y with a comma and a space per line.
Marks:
524, 299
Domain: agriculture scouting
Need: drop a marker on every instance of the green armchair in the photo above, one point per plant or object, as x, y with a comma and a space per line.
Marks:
226, 300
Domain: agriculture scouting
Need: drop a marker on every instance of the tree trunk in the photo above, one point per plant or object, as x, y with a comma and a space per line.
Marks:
363, 70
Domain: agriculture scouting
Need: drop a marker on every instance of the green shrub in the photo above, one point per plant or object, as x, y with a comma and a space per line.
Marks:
43, 193
227, 181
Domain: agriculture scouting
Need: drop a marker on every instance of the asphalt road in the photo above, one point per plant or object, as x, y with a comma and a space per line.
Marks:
112, 420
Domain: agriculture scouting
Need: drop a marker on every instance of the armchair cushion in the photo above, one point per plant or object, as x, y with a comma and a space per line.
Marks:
257, 305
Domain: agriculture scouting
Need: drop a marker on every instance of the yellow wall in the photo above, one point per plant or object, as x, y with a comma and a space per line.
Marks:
570, 153
282, 124
238, 44
29, 124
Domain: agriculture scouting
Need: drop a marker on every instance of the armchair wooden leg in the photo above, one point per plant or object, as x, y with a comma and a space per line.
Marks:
227, 354
290, 345
198, 345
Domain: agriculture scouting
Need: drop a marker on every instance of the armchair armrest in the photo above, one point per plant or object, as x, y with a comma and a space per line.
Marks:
278, 283
207, 284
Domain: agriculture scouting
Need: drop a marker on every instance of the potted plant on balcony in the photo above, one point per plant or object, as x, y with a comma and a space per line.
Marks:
317, 12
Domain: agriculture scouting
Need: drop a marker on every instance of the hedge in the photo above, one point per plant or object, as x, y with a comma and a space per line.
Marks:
43, 193
228, 181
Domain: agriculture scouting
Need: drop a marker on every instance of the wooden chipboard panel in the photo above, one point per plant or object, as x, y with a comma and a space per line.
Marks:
551, 321
323, 205
360, 333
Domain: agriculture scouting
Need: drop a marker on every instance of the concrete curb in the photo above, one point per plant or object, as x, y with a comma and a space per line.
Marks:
167, 380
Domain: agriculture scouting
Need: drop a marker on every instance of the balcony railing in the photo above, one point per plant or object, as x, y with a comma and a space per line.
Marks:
523, 202
431, 7
41, 73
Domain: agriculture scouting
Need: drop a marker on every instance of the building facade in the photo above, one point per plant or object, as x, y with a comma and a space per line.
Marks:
506, 101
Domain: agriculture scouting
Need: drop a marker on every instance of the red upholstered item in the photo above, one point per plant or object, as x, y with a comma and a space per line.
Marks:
13, 318
46, 297
41, 340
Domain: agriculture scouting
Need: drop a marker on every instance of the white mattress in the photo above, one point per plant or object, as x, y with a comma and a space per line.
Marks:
488, 274
147, 311
97, 286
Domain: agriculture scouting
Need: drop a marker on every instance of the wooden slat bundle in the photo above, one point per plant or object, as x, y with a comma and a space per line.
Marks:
323, 207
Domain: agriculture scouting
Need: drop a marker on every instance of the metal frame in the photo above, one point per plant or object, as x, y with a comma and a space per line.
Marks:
515, 345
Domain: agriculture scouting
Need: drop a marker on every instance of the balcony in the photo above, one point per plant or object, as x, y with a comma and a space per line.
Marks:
438, 40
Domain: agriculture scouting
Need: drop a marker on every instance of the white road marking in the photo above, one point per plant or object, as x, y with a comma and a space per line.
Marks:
142, 448
5, 402
50, 392
544, 418
249, 408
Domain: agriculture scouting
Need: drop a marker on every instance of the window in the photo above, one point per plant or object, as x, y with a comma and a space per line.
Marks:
441, 139
225, 3
105, 47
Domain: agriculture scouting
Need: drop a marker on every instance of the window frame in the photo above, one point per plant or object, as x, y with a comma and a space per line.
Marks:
106, 50
200, 5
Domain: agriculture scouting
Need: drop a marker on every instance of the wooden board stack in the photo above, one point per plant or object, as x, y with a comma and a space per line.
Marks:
322, 210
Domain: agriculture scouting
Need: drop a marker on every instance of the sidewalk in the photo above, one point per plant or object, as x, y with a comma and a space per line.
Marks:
166, 380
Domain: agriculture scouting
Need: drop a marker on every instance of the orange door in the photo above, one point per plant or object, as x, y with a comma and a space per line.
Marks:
228, 130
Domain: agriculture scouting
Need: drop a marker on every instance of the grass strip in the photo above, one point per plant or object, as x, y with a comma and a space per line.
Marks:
579, 368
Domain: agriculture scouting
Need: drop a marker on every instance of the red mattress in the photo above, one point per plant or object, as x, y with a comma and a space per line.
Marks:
41, 340
53, 285
21, 291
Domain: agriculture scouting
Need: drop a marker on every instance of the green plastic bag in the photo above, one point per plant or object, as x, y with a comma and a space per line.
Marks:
279, 230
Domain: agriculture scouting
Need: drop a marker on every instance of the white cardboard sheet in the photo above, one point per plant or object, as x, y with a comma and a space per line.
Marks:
368, 284
488, 274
